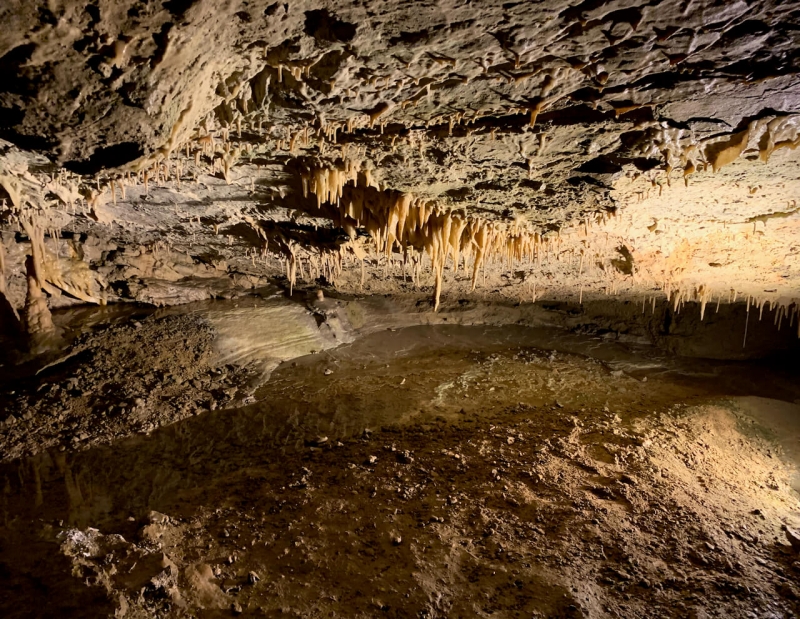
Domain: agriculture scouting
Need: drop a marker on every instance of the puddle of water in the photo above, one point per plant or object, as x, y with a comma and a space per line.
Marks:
387, 378
71, 323
263, 331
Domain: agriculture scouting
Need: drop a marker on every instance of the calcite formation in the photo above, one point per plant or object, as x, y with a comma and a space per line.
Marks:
564, 150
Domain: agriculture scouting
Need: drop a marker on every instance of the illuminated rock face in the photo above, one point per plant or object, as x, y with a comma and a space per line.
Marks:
565, 151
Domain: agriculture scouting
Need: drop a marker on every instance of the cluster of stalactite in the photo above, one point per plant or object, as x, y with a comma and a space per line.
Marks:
418, 227
784, 309
46, 271
303, 251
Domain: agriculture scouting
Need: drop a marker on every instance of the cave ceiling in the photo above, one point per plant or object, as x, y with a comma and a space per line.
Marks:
604, 147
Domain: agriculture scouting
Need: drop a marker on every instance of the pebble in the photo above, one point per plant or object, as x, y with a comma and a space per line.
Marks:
405, 457
793, 537
155, 517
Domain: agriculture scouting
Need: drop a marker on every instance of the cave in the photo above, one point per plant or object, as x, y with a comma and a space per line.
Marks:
405, 309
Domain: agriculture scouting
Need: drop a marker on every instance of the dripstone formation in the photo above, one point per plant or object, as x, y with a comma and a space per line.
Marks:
180, 151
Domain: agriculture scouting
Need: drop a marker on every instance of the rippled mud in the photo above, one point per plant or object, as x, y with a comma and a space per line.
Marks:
433, 470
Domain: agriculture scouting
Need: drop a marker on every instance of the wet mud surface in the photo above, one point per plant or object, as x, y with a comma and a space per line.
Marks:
427, 471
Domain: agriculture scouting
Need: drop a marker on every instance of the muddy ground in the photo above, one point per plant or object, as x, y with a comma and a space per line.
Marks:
426, 471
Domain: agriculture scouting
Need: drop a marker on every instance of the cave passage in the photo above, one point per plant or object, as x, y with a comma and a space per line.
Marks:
429, 309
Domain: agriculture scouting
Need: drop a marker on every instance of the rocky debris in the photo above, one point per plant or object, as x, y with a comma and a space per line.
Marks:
123, 379
625, 550
622, 501
405, 457
140, 576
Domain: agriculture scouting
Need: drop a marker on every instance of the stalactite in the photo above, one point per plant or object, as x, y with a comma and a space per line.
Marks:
704, 296
746, 322
36, 237
3, 285
397, 221
37, 319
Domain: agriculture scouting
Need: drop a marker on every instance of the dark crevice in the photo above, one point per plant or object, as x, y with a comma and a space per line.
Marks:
325, 27
161, 39
178, 7
601, 165
12, 66
108, 157
35, 143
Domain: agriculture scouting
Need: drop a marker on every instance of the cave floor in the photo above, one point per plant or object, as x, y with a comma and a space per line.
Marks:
430, 471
